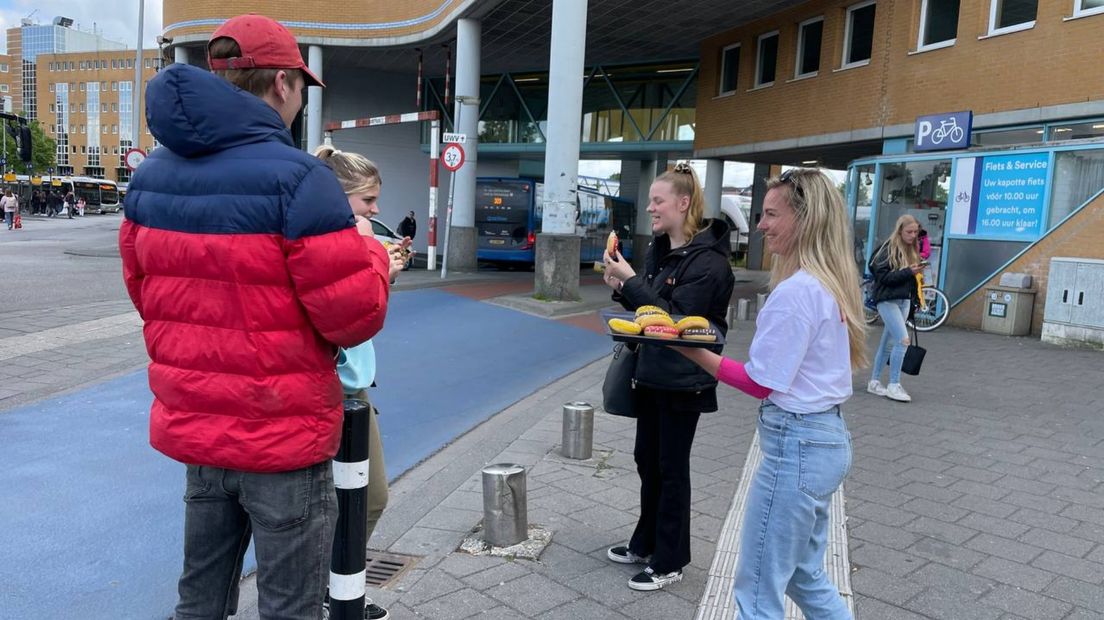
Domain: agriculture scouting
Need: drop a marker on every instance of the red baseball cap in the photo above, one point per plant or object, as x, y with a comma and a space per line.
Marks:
264, 43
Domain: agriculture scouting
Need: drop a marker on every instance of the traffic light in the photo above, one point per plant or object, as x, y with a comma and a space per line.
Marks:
25, 144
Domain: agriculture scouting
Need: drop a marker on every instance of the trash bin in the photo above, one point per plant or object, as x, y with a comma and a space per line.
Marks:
1007, 310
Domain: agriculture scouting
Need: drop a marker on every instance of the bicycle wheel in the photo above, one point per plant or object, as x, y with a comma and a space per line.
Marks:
870, 310
933, 312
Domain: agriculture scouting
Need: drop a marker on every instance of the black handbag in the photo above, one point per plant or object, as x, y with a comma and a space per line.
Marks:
914, 356
617, 389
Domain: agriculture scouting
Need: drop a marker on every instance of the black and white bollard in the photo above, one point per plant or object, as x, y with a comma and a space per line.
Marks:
350, 467
578, 430
505, 510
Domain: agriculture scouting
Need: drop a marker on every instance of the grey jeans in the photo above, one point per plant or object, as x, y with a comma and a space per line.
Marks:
290, 516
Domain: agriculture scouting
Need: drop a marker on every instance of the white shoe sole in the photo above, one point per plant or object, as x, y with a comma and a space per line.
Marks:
620, 559
655, 585
906, 399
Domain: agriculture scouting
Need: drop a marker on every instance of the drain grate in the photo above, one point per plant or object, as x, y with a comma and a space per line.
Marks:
382, 569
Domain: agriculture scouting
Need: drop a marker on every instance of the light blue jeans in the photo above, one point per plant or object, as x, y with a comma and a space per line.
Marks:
893, 313
785, 530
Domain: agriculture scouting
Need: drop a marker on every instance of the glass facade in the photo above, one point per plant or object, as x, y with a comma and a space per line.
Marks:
1078, 176
126, 119
93, 99
61, 134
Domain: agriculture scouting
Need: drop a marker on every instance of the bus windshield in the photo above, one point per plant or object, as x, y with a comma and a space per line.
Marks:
503, 212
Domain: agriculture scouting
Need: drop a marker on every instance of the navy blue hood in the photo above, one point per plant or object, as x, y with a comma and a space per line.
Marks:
194, 112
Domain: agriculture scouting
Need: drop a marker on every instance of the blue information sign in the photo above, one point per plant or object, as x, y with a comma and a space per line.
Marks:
941, 132
1010, 195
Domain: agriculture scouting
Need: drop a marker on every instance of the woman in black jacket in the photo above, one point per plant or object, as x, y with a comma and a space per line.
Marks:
894, 267
686, 273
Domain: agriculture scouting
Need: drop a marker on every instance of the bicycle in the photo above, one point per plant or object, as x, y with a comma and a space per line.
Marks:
927, 314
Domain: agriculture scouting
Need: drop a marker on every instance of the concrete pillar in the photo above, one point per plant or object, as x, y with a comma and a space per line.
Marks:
314, 99
643, 233
561, 159
180, 55
757, 251
461, 238
714, 181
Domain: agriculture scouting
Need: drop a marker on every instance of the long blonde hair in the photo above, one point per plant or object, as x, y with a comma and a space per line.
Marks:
823, 248
355, 172
684, 182
902, 254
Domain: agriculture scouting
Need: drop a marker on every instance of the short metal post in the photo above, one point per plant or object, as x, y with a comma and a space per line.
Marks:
350, 467
505, 511
760, 301
578, 430
742, 309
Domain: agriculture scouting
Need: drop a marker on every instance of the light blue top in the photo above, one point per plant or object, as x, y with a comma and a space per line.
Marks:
356, 367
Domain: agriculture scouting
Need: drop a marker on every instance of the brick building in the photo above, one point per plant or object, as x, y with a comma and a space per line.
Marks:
86, 106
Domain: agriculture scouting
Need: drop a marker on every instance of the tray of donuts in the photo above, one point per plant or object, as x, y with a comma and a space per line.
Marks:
653, 325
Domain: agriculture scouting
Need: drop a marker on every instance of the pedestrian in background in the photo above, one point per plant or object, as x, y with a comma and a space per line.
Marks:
70, 204
408, 228
809, 337
686, 272
894, 266
11, 207
244, 262
356, 366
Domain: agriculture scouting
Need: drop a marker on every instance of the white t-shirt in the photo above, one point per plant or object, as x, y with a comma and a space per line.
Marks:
801, 350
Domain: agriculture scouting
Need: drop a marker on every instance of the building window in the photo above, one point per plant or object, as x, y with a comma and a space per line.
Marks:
4, 67
130, 63
858, 36
810, 33
103, 87
103, 107
51, 88
52, 110
3, 88
82, 87
114, 64
938, 23
114, 86
82, 65
767, 60
1012, 15
1080, 8
147, 63
82, 108
730, 69
114, 107
82, 129
114, 129
84, 150
105, 129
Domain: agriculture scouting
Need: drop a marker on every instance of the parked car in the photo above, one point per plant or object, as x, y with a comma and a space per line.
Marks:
383, 233
736, 210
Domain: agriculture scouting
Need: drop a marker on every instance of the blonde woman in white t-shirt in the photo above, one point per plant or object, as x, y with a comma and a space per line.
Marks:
809, 337
10, 204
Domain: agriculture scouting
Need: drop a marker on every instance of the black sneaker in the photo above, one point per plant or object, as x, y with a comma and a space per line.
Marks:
648, 579
374, 612
622, 555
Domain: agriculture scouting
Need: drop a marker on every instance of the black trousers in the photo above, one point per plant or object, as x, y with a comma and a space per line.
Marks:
664, 436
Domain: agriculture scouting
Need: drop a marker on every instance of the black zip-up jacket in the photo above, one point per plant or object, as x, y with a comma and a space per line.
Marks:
890, 283
695, 279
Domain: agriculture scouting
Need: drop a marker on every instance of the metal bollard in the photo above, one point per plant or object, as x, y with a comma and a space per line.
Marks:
505, 512
350, 468
760, 301
742, 309
578, 430
730, 318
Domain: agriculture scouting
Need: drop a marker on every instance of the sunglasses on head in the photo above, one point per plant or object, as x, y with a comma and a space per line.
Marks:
790, 176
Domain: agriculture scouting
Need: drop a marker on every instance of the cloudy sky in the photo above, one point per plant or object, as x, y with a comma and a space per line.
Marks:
114, 19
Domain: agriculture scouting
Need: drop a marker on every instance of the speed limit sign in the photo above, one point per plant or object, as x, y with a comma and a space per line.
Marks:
453, 156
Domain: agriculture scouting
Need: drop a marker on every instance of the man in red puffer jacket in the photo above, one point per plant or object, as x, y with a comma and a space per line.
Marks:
241, 255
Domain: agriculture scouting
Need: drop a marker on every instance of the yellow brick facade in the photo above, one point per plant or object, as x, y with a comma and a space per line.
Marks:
426, 13
78, 70
1055, 62
10, 82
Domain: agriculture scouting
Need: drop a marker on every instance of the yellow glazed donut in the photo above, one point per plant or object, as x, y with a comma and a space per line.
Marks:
621, 326
642, 310
692, 322
648, 320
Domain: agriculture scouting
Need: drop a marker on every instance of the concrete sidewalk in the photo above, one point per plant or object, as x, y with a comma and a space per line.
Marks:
981, 499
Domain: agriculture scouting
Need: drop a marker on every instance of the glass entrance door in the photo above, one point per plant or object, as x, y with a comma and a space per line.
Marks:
919, 189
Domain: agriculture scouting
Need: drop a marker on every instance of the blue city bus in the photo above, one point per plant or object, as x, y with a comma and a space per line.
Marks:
508, 217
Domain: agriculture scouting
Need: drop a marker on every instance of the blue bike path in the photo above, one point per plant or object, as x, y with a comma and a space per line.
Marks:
91, 516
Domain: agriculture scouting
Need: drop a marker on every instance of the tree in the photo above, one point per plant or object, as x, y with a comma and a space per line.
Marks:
43, 151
